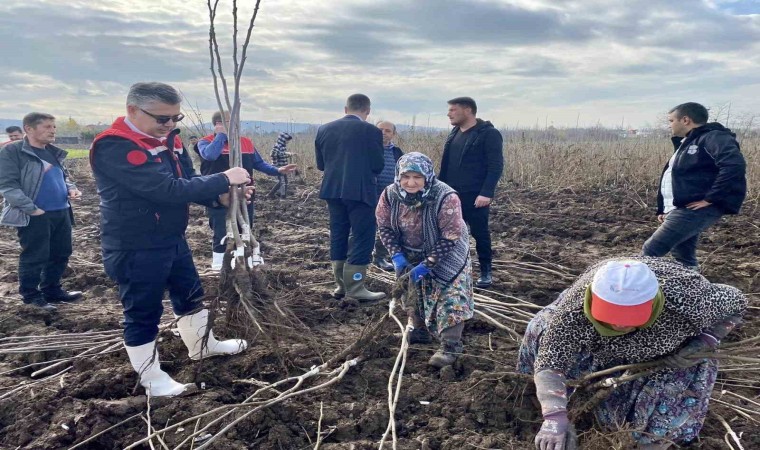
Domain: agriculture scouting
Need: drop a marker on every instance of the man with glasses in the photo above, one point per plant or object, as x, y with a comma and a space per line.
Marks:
215, 157
145, 180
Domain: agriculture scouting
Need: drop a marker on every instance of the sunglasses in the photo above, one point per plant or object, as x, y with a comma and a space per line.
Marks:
162, 120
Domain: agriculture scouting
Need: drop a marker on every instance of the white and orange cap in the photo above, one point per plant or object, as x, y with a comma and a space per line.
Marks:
623, 292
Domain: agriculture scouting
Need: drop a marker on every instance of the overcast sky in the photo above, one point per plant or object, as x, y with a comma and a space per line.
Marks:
525, 62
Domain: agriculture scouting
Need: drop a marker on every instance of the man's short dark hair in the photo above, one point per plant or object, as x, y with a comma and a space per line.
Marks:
694, 111
358, 102
35, 118
465, 102
13, 129
217, 117
193, 137
141, 94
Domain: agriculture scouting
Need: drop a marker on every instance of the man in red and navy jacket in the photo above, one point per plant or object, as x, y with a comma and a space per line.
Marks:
145, 180
214, 151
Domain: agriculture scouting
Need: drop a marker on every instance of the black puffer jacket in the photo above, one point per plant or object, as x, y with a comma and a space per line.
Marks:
708, 166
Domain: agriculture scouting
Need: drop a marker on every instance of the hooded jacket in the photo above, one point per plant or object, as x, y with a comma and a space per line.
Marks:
482, 160
708, 166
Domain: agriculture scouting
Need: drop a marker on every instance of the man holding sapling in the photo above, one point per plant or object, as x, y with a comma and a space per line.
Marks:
36, 189
350, 153
215, 157
145, 180
472, 164
703, 180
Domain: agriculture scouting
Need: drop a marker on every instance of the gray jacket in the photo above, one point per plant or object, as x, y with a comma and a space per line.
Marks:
21, 172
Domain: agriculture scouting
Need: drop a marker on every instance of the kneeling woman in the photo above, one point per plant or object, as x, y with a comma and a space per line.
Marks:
420, 223
625, 311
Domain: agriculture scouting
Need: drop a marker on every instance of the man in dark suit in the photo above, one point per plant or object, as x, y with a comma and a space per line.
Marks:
350, 153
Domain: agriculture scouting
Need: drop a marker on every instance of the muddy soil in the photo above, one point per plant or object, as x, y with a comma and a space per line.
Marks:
468, 406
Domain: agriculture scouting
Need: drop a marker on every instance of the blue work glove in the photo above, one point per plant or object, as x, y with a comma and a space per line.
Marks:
399, 263
419, 271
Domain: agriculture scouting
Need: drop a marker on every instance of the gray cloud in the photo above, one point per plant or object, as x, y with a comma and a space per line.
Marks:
409, 56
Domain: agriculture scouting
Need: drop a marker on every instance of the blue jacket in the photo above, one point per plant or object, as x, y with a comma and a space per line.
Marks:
145, 189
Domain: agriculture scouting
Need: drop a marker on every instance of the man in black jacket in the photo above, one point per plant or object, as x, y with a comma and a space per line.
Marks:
472, 164
704, 179
350, 153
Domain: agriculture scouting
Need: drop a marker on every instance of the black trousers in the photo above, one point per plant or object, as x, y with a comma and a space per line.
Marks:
45, 251
477, 220
352, 231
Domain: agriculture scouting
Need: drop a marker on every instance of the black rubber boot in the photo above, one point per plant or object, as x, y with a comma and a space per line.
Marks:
420, 336
485, 279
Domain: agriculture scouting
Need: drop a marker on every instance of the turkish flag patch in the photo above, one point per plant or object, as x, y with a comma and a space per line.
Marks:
137, 157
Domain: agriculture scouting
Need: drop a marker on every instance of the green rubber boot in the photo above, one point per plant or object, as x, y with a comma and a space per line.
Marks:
340, 290
354, 278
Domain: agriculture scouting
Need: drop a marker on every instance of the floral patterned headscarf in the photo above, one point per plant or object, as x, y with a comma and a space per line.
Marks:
421, 164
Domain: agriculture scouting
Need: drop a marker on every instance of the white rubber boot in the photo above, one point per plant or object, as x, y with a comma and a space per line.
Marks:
157, 383
255, 259
191, 330
216, 262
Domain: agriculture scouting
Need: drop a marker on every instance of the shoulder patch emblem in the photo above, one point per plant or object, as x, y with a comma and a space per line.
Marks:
137, 157
692, 149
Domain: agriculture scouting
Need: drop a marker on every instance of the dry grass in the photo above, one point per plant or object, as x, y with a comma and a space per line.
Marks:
550, 161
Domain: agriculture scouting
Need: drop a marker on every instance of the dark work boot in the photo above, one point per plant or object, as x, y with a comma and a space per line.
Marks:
383, 264
420, 336
57, 295
485, 279
39, 301
447, 354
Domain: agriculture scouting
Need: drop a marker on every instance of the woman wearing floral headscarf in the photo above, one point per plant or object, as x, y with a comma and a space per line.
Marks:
420, 223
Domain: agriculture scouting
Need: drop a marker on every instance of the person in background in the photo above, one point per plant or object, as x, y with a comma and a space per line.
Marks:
194, 144
280, 158
391, 155
14, 134
37, 191
350, 153
215, 153
145, 180
421, 224
472, 163
703, 180
628, 311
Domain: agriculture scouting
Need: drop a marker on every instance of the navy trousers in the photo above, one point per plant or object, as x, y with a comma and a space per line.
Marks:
352, 231
143, 276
